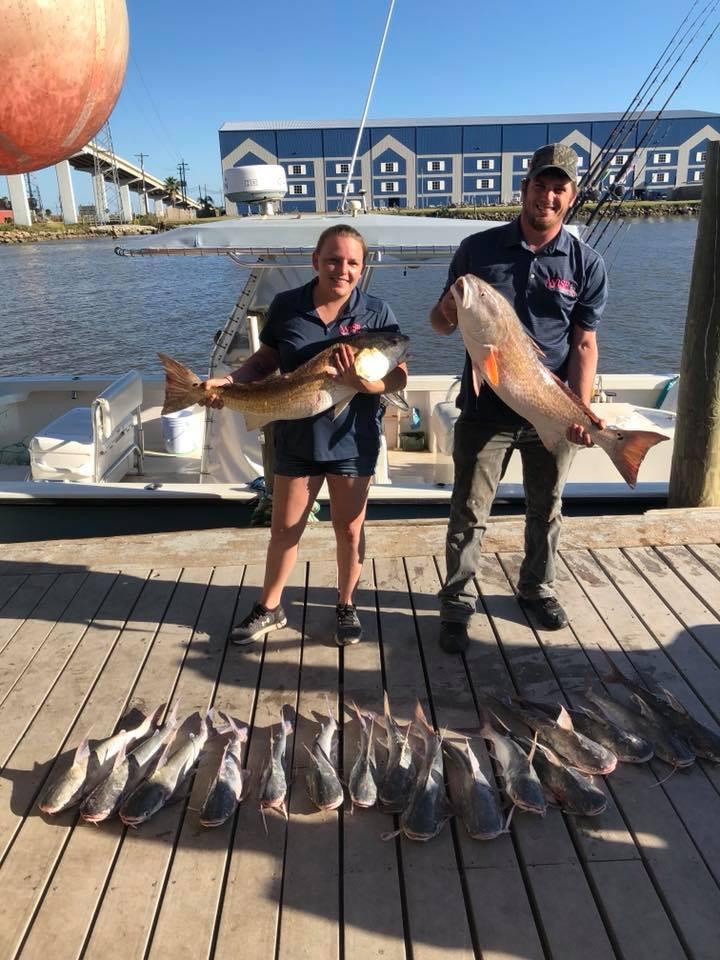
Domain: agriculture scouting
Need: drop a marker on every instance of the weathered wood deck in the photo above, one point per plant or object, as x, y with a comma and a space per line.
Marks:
89, 628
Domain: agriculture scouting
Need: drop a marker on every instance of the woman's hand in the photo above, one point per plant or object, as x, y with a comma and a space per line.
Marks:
344, 363
212, 398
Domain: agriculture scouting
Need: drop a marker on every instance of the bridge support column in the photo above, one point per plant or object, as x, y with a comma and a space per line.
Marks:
159, 208
100, 198
19, 200
126, 204
67, 194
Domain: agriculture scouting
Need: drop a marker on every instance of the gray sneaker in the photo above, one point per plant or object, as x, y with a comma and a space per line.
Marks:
257, 624
348, 629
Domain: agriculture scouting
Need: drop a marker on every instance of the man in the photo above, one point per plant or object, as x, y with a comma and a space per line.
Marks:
558, 287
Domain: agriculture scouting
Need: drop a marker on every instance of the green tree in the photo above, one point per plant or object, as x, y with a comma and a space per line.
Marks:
172, 186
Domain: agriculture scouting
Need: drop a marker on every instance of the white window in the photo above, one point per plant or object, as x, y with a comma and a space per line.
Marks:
340, 188
661, 158
618, 160
660, 178
389, 167
525, 163
487, 183
297, 169
698, 176
486, 164
436, 185
388, 186
436, 166
342, 168
700, 156
298, 189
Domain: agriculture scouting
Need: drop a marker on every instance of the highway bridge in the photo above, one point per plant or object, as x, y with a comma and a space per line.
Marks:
98, 162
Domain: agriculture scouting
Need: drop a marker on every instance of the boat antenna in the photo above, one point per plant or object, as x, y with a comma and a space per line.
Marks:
343, 202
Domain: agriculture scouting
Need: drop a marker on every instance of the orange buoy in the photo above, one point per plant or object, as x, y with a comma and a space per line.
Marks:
62, 64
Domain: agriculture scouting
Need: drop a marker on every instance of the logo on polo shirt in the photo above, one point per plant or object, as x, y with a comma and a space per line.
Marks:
347, 329
559, 283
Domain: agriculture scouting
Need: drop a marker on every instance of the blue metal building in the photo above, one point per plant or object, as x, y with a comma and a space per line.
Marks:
470, 160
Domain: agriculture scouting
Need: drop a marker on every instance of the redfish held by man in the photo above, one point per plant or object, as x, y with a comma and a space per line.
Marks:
505, 357
311, 389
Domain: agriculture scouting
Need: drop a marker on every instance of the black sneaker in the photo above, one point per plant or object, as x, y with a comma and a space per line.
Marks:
257, 623
348, 629
546, 610
454, 636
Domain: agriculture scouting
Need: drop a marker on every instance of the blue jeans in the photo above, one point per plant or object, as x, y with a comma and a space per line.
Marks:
481, 453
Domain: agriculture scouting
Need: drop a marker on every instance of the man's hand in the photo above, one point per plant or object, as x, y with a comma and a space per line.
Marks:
443, 316
576, 433
212, 398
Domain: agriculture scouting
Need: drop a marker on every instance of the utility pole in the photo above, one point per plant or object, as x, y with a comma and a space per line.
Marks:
141, 157
695, 470
182, 166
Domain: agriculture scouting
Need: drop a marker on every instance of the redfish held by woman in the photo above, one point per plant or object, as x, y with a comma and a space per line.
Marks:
505, 357
311, 389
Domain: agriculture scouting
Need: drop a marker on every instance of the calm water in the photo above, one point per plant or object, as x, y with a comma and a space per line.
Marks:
75, 307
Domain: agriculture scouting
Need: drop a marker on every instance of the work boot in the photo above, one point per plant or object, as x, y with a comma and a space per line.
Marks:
348, 629
546, 610
257, 623
454, 636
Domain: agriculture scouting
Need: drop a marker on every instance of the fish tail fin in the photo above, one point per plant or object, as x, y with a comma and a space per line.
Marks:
182, 387
614, 674
629, 452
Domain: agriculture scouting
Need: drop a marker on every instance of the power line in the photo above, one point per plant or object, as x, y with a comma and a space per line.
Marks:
182, 167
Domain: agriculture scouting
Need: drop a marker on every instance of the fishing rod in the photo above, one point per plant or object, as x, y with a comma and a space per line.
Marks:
600, 166
603, 202
617, 133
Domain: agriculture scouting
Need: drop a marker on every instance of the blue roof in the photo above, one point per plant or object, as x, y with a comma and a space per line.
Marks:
454, 121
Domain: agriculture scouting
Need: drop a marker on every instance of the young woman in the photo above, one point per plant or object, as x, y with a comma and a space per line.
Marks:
300, 324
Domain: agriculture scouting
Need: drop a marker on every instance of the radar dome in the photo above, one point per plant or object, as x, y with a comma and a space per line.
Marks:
62, 64
255, 183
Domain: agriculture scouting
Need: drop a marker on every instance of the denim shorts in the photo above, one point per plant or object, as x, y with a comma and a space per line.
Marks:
289, 466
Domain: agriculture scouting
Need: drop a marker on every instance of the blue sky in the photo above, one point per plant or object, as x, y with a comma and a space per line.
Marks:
194, 66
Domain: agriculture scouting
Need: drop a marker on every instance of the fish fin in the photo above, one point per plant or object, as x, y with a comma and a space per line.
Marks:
506, 828
614, 674
183, 388
156, 716
537, 348
120, 756
83, 751
630, 452
533, 748
477, 379
340, 408
397, 400
564, 719
674, 702
256, 421
643, 707
391, 835
490, 368
583, 407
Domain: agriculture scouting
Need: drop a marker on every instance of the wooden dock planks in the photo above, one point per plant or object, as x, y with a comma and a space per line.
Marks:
81, 645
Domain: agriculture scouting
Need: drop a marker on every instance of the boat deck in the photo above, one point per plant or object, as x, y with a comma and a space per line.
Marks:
89, 628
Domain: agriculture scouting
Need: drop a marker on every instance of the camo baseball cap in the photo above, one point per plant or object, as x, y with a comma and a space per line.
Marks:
554, 156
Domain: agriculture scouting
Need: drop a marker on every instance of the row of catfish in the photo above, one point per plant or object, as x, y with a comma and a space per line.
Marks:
542, 756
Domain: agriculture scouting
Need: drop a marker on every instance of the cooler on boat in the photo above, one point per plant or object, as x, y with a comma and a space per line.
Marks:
93, 444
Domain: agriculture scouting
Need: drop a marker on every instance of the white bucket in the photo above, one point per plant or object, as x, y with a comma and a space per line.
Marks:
182, 430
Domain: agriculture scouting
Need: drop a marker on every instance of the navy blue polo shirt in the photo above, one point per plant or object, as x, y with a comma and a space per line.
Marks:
553, 290
295, 330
